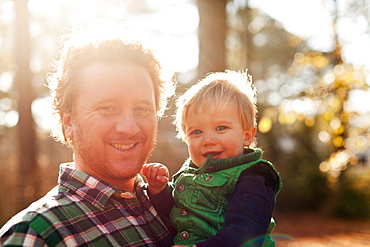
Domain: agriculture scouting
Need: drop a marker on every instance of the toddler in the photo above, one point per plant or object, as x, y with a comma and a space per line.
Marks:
224, 194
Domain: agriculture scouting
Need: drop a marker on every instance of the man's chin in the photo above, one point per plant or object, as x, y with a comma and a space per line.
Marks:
126, 172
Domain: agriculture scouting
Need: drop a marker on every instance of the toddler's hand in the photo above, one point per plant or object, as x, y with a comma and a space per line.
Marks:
183, 246
157, 176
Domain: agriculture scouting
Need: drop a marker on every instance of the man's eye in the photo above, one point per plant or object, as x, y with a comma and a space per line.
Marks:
196, 132
220, 128
107, 108
142, 110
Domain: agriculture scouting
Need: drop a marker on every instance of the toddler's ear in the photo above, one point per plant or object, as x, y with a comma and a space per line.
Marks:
249, 135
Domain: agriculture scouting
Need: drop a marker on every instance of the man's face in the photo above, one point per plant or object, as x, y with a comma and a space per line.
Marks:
113, 125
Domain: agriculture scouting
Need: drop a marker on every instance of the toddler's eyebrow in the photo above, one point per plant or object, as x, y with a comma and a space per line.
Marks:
224, 122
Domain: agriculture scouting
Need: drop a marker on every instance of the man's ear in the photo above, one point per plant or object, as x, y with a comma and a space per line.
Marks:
249, 135
67, 124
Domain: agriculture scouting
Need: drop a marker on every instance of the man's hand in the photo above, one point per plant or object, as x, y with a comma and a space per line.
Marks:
157, 176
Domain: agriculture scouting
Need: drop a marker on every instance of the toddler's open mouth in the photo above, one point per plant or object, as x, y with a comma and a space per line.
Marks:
215, 155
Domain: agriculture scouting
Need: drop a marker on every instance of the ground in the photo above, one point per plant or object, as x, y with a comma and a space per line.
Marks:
314, 230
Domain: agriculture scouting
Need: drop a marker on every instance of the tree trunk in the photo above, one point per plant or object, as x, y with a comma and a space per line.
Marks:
27, 168
212, 35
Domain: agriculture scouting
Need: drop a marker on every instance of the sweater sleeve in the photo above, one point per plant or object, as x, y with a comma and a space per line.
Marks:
163, 201
249, 212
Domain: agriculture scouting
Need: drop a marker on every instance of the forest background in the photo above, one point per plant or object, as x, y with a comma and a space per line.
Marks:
313, 102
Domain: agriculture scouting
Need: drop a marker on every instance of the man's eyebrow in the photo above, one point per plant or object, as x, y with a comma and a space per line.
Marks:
105, 100
147, 102
142, 101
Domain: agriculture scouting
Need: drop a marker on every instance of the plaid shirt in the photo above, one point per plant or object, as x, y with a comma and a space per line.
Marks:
83, 211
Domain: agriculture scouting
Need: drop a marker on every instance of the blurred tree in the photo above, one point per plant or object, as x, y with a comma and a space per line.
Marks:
212, 36
27, 169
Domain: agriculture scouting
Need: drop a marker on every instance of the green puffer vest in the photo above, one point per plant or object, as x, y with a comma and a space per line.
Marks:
201, 196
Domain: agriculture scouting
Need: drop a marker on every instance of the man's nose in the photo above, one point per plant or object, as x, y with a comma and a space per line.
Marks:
127, 124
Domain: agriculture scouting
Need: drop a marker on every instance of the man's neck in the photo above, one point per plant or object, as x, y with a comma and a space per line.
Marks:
123, 184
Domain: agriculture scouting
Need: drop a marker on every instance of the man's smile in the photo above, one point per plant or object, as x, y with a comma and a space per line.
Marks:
122, 146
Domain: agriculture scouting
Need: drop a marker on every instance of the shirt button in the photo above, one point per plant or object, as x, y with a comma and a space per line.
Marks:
184, 235
127, 195
209, 178
180, 188
184, 211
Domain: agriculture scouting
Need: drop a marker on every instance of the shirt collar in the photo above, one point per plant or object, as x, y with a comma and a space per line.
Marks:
88, 187
211, 165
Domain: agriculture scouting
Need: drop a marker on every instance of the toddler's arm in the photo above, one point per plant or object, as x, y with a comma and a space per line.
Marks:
156, 175
249, 210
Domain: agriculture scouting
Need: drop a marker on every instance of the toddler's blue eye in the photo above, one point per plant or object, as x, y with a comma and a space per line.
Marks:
196, 132
221, 128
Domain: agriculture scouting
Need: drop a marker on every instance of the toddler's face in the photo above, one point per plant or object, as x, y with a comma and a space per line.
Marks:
216, 132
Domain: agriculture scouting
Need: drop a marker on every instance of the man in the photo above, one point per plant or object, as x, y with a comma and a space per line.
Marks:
108, 92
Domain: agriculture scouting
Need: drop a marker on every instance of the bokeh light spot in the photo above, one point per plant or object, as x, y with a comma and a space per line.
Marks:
265, 125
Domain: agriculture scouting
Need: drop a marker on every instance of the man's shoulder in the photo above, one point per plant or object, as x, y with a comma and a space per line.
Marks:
46, 207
